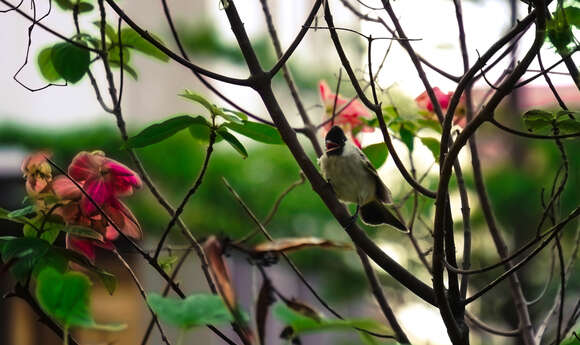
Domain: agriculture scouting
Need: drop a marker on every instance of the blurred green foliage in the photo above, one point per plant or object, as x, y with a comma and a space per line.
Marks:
259, 179
270, 169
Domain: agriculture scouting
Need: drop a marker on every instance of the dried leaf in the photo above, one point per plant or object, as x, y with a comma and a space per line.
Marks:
295, 243
265, 300
213, 250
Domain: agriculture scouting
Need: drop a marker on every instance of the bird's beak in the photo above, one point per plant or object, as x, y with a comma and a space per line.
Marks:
331, 146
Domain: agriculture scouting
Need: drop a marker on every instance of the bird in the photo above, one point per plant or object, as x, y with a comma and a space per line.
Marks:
355, 180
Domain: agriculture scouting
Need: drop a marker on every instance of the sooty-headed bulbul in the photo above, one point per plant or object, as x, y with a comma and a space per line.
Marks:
355, 180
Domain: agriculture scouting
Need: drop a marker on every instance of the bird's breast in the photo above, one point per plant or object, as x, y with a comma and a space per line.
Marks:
349, 178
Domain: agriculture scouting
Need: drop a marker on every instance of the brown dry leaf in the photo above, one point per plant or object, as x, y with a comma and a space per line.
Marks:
213, 250
265, 300
295, 243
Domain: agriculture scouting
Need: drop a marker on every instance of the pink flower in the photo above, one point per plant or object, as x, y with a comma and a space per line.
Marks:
86, 246
102, 178
424, 102
72, 212
349, 118
37, 172
105, 181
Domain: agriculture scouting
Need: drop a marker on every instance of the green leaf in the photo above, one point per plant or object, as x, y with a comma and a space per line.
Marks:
85, 7
161, 131
427, 123
573, 15
4, 215
433, 145
390, 113
257, 131
4, 240
568, 125
301, 323
109, 31
559, 31
70, 62
132, 39
66, 297
195, 310
108, 279
239, 114
537, 119
53, 260
115, 55
50, 232
167, 262
200, 133
572, 340
126, 68
45, 65
26, 252
561, 113
233, 141
193, 96
377, 154
25, 211
65, 4
82, 231
231, 118
407, 137
29, 231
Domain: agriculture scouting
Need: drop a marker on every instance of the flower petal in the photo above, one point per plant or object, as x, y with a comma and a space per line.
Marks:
35, 185
121, 178
65, 189
130, 226
82, 246
85, 166
34, 160
325, 92
99, 191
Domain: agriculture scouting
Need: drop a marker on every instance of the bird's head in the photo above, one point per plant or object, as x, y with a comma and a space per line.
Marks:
334, 141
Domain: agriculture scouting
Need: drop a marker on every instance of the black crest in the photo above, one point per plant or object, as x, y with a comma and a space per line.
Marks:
336, 135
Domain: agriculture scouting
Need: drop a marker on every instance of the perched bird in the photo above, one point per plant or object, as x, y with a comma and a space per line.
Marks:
355, 180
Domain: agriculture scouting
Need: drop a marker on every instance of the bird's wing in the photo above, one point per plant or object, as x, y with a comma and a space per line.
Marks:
383, 193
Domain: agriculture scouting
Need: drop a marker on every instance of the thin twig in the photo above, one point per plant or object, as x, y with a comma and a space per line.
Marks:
319, 185
143, 294
144, 34
381, 299
531, 135
386, 136
144, 254
310, 129
485, 327
285, 256
166, 290
189, 194
281, 197
557, 228
23, 293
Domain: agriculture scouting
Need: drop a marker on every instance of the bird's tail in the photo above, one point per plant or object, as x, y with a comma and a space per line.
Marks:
375, 213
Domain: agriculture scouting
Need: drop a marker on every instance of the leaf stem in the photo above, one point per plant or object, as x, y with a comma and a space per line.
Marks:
181, 336
65, 335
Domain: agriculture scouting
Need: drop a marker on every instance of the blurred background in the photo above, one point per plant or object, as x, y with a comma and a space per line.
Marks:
67, 120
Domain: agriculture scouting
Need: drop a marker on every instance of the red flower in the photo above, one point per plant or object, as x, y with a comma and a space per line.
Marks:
86, 246
424, 102
349, 118
102, 178
72, 212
